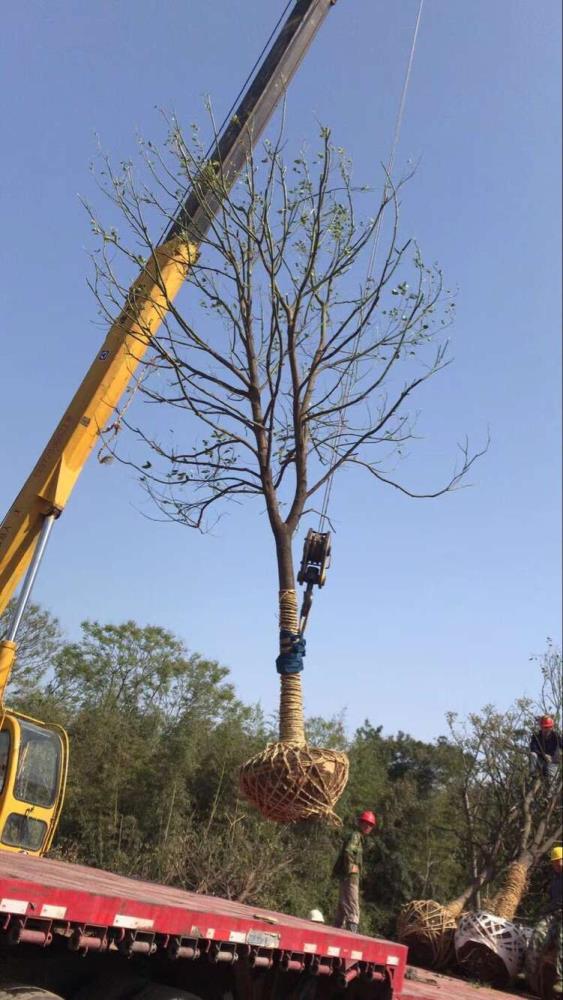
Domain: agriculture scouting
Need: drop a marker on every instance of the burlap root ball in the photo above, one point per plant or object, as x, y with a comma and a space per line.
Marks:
290, 781
428, 929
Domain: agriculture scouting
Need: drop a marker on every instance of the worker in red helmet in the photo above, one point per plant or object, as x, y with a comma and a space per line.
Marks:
348, 870
545, 747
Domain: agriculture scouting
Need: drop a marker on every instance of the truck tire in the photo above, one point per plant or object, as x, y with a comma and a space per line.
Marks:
17, 991
120, 987
157, 991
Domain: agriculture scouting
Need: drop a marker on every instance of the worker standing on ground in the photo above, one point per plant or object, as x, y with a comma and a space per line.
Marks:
348, 870
555, 909
545, 747
548, 933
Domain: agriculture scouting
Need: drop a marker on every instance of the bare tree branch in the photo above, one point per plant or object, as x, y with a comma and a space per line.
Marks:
287, 353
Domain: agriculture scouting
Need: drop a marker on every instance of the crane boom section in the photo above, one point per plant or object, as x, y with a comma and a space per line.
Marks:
52, 480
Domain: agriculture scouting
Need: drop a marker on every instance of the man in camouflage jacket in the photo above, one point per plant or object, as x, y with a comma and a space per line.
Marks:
348, 870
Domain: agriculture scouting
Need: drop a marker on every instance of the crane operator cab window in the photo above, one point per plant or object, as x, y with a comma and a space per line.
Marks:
33, 764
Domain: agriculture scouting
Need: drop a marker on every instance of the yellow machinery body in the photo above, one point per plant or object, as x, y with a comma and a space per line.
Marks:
33, 772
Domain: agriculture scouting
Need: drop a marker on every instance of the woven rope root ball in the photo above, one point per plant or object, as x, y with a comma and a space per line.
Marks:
428, 929
288, 782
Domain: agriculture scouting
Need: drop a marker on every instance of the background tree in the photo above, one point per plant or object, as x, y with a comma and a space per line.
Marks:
536, 826
513, 814
138, 706
508, 818
290, 357
39, 639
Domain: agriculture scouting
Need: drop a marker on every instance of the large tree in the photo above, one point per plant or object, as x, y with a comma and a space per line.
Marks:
39, 640
307, 328
153, 727
508, 817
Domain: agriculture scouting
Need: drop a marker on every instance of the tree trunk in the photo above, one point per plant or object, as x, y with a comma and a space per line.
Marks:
292, 724
507, 900
456, 907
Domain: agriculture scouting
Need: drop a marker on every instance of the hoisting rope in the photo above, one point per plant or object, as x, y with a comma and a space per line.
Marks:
351, 376
257, 62
316, 551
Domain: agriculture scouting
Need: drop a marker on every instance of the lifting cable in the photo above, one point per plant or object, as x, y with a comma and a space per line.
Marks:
244, 85
219, 131
317, 548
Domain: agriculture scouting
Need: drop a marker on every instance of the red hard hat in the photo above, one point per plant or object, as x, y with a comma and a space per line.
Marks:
367, 817
546, 722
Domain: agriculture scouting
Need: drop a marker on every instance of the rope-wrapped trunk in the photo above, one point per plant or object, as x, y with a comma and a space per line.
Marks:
292, 727
289, 780
292, 724
507, 900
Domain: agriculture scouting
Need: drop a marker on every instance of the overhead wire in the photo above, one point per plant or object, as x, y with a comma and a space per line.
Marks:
351, 374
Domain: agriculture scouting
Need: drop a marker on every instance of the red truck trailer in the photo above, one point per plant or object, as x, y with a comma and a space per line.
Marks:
84, 934
80, 932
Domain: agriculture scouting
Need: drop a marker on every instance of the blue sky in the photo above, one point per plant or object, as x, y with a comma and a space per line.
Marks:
430, 605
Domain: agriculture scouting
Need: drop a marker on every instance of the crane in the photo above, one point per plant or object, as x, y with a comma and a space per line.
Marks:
34, 754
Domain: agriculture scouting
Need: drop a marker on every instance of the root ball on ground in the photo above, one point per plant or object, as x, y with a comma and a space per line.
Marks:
428, 929
490, 948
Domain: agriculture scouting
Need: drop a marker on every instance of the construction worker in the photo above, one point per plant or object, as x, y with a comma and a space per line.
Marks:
545, 747
547, 935
348, 870
316, 916
555, 905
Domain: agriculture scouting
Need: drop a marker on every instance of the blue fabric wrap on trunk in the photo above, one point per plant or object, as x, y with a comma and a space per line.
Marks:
290, 660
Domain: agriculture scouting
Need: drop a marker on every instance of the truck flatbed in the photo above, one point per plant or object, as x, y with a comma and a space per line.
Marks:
433, 986
43, 899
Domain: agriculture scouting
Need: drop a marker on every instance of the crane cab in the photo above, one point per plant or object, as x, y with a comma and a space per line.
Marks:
33, 771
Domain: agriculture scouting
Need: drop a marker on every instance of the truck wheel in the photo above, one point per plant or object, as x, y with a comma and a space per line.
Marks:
124, 988
157, 991
17, 991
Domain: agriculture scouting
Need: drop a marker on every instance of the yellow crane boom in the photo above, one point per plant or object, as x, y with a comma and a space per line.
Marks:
50, 484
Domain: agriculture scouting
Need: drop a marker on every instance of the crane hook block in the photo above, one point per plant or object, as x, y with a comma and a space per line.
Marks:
316, 558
